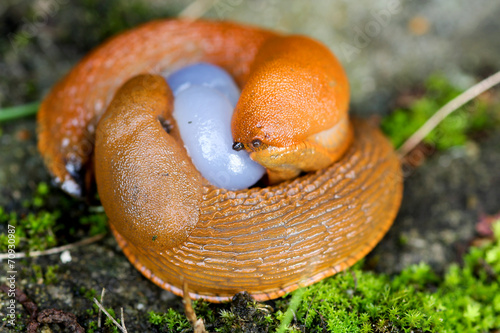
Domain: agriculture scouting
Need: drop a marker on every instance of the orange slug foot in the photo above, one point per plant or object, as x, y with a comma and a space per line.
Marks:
111, 116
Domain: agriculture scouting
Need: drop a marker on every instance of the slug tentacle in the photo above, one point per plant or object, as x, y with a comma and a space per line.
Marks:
292, 118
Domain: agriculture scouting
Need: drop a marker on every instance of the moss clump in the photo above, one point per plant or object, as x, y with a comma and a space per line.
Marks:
38, 228
465, 299
479, 115
47, 277
242, 315
97, 222
173, 320
34, 231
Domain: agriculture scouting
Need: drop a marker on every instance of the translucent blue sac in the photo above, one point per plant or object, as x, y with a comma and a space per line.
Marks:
203, 114
206, 75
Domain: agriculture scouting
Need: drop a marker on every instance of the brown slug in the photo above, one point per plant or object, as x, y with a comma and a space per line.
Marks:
335, 186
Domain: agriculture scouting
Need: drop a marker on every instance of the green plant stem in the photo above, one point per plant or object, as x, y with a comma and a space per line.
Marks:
292, 309
19, 111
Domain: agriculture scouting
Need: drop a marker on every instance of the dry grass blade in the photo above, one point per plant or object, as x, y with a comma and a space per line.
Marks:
120, 327
53, 250
197, 324
122, 318
448, 108
99, 313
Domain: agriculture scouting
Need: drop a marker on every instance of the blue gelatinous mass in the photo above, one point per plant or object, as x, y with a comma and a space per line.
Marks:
207, 75
203, 114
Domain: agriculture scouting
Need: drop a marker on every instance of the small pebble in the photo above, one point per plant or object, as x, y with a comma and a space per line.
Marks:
65, 257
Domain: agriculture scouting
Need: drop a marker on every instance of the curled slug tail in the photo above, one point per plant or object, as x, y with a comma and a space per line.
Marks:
148, 186
69, 171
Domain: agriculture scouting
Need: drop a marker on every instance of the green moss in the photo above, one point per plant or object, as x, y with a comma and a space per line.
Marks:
39, 227
39, 197
174, 321
89, 294
46, 275
109, 323
34, 231
92, 327
98, 223
37, 273
465, 299
454, 130
51, 274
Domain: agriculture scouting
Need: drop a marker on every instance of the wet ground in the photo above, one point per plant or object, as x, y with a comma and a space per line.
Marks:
388, 48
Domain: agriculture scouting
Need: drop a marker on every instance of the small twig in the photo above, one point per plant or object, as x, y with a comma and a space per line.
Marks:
99, 313
197, 324
448, 108
53, 250
123, 319
122, 328
197, 9
18, 111
23, 299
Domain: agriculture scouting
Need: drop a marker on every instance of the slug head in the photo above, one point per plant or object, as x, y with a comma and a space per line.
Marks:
296, 89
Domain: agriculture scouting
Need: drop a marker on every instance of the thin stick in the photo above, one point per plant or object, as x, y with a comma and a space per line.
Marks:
197, 324
123, 320
99, 313
53, 250
448, 108
197, 9
124, 330
18, 111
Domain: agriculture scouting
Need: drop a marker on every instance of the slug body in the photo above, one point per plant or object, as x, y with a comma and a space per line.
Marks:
291, 116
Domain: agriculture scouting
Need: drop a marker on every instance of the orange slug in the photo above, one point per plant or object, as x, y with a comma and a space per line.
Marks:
335, 187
